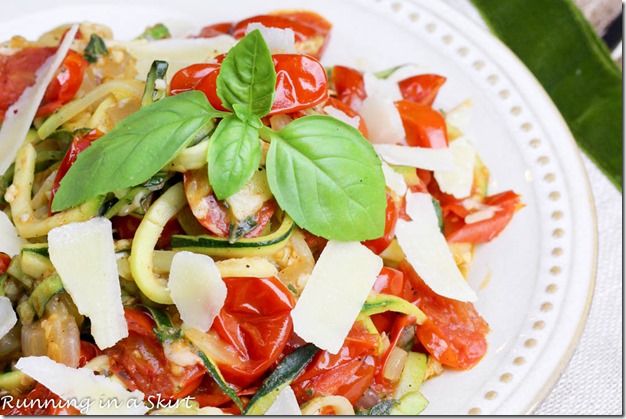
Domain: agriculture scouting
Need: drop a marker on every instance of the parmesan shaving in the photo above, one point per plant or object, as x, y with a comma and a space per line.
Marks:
419, 157
8, 319
279, 40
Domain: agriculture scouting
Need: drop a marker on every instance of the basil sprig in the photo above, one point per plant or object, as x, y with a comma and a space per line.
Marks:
136, 148
323, 172
95, 48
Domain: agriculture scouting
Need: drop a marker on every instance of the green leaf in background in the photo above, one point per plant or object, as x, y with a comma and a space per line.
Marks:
559, 46
328, 178
247, 76
234, 155
136, 149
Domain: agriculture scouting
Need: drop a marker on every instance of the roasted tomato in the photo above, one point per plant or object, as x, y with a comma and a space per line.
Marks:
391, 216
139, 361
424, 126
348, 373
421, 89
454, 333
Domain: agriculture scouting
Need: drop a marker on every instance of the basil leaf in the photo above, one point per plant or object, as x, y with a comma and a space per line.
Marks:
156, 32
328, 178
247, 76
95, 48
136, 149
234, 154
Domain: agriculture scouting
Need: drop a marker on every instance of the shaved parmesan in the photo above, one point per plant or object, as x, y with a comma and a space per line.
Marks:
482, 215
459, 180
179, 53
334, 294
285, 404
82, 388
381, 87
7, 316
394, 180
426, 249
19, 116
10, 240
84, 256
420, 157
342, 116
197, 289
383, 121
279, 40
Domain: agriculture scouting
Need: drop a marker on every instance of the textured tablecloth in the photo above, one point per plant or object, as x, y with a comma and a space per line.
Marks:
592, 382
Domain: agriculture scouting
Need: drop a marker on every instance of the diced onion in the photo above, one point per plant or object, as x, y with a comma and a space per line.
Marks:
395, 364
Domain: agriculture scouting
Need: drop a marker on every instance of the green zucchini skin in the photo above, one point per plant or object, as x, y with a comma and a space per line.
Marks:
281, 377
219, 246
43, 292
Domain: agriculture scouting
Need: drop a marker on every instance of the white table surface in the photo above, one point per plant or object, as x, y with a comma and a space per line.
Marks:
592, 382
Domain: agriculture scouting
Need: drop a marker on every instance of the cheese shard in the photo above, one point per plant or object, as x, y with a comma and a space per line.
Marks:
384, 124
19, 116
81, 388
334, 294
178, 53
285, 404
83, 255
426, 249
278, 40
10, 240
342, 116
197, 289
459, 180
386, 88
394, 180
419, 157
8, 319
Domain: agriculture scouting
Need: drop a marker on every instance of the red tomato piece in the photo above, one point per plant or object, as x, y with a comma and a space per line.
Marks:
88, 351
255, 320
349, 86
139, 361
391, 282
79, 144
17, 72
5, 260
348, 373
300, 83
506, 204
127, 226
391, 217
336, 103
311, 30
454, 333
224, 28
211, 213
421, 89
202, 77
424, 127
63, 88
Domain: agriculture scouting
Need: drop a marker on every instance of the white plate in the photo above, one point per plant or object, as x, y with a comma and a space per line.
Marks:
542, 268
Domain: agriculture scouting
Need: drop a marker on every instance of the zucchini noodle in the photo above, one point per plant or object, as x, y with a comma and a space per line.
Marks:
119, 88
191, 158
338, 405
19, 193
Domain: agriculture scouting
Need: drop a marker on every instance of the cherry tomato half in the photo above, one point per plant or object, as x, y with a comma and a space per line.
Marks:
351, 113
79, 143
311, 30
5, 260
454, 333
139, 361
349, 85
424, 127
505, 203
212, 213
422, 88
255, 320
348, 373
63, 88
391, 217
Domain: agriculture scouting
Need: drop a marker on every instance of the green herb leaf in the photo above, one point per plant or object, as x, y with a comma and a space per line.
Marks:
382, 408
95, 48
136, 149
234, 154
559, 46
247, 76
328, 178
156, 32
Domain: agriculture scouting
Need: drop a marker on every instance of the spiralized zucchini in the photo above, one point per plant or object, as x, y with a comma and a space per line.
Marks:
19, 193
